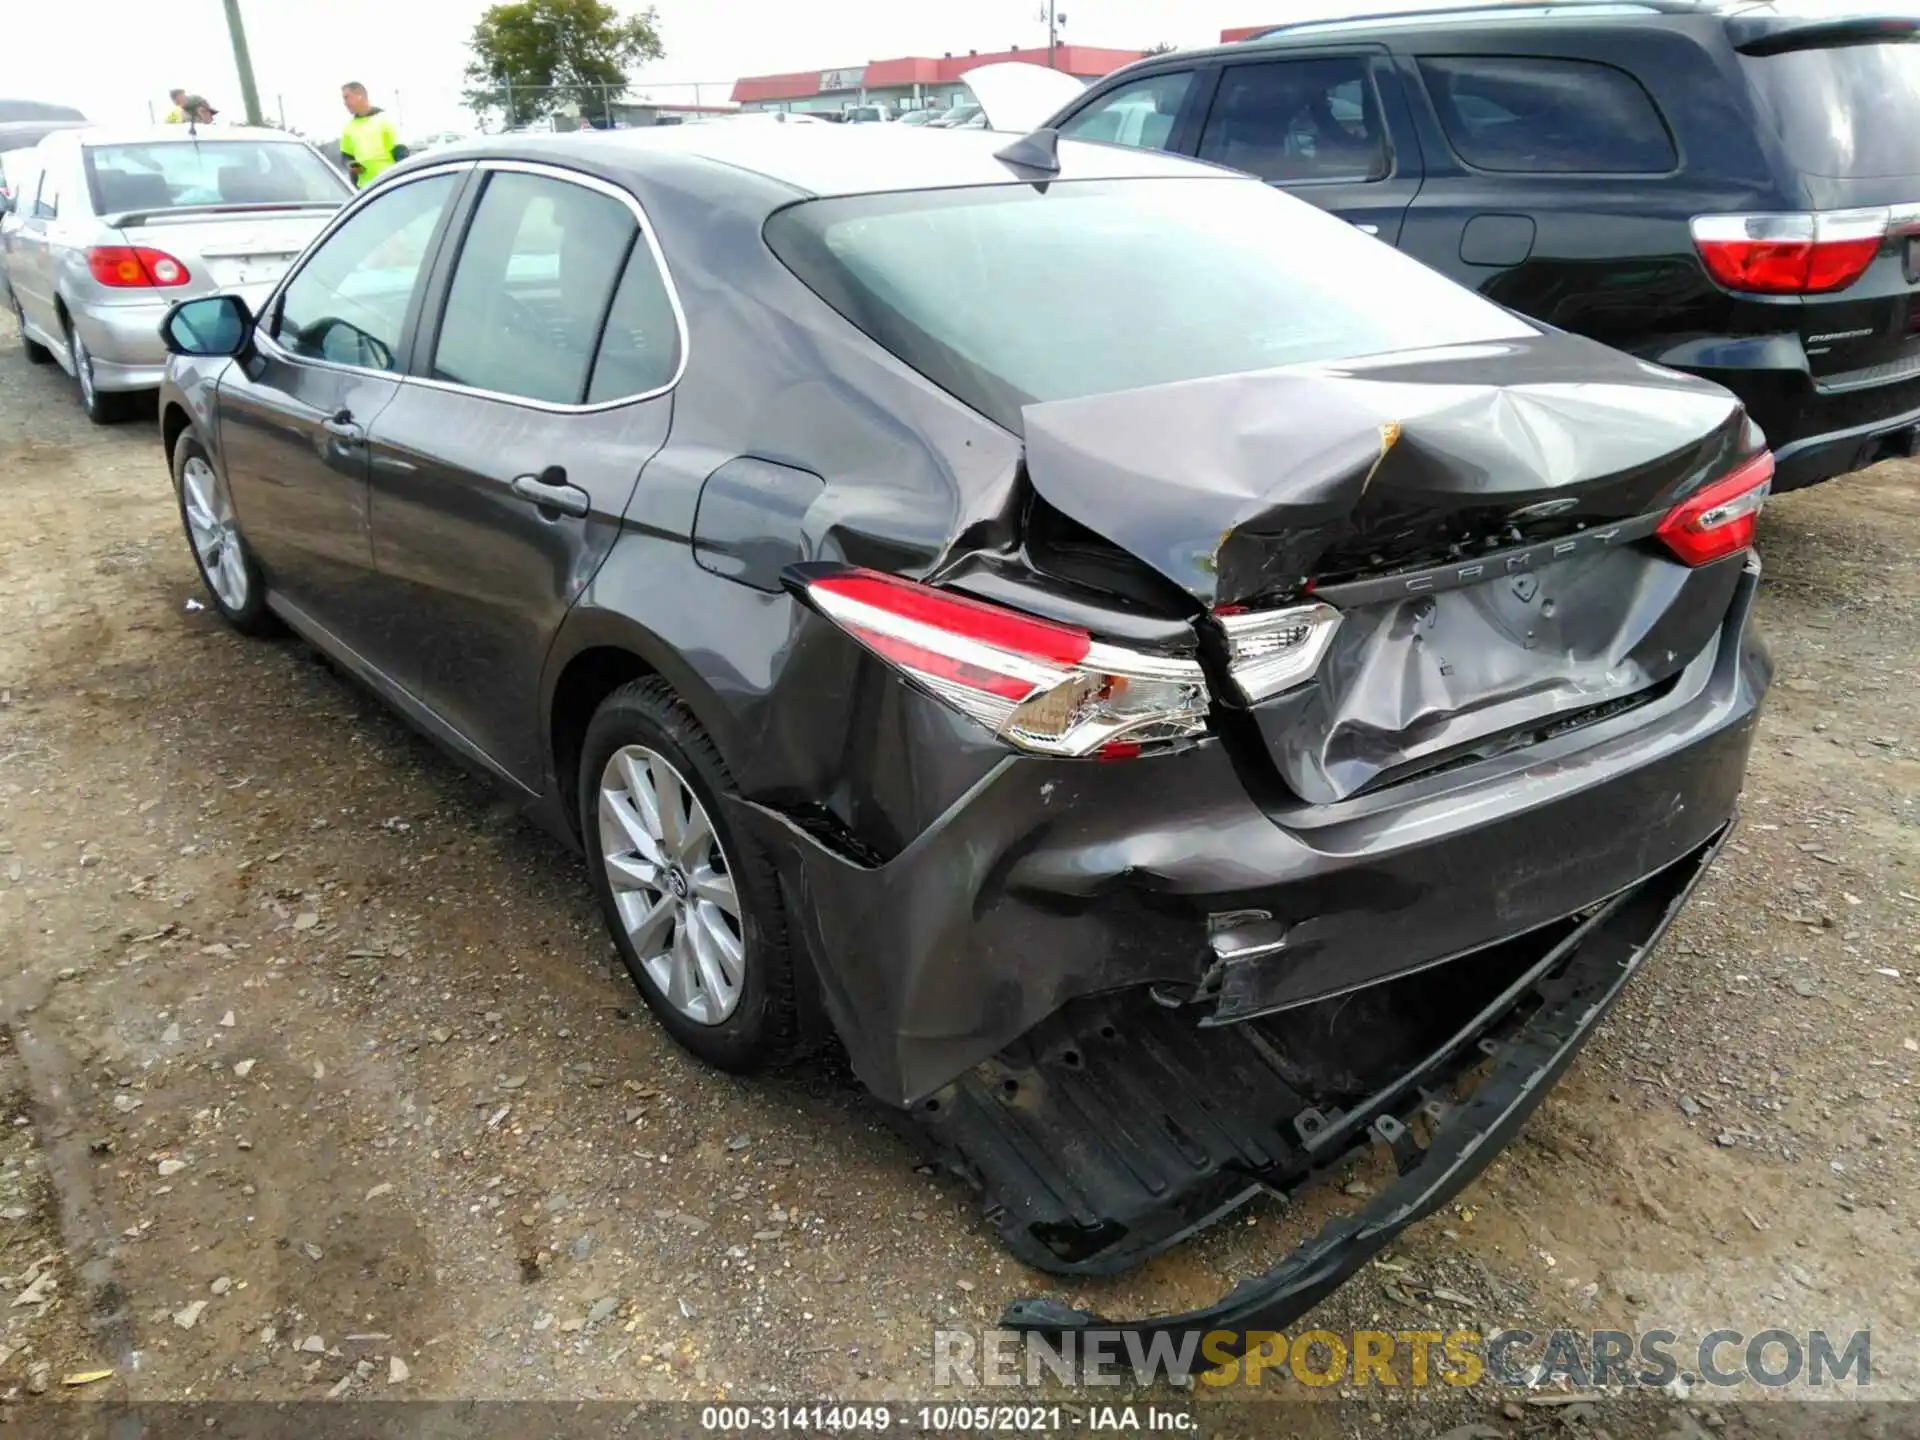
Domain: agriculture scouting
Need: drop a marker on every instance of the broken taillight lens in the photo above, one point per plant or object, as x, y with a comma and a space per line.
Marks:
1796, 254
1038, 685
1719, 519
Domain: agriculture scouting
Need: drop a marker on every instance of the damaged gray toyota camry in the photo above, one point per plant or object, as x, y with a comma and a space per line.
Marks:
1180, 690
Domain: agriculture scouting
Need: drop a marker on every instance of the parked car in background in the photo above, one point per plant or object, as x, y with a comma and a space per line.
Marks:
437, 140
1174, 685
765, 117
24, 124
1727, 188
17, 112
107, 228
964, 115
866, 115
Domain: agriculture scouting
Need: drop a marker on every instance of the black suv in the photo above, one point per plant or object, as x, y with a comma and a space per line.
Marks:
1731, 189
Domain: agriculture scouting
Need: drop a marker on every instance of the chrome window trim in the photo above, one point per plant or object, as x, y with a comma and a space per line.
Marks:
525, 167
263, 338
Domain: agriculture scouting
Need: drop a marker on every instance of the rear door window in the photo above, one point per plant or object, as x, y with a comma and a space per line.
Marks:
1544, 116
1140, 115
531, 288
1844, 111
1298, 120
640, 345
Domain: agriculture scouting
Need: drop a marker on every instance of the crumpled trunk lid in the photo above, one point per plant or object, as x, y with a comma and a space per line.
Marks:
1481, 516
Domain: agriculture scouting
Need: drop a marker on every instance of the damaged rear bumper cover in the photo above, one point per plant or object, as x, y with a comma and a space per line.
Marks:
1051, 880
1530, 1033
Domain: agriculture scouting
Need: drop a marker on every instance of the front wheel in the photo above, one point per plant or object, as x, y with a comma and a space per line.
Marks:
226, 568
692, 903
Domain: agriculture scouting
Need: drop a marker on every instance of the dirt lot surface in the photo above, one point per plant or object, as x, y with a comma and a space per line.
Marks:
319, 1077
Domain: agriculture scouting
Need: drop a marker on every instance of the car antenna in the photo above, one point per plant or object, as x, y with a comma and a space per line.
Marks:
1038, 151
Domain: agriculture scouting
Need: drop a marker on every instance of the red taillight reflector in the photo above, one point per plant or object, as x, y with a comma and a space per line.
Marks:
135, 267
1719, 519
993, 625
1037, 684
950, 640
1807, 254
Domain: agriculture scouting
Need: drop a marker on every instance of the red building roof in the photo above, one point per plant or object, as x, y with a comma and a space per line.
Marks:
1227, 37
1085, 61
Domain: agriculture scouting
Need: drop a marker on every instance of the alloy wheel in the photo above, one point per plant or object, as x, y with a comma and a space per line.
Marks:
82, 367
672, 885
214, 532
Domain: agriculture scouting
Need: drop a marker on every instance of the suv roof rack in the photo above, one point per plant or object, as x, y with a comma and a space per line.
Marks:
1474, 10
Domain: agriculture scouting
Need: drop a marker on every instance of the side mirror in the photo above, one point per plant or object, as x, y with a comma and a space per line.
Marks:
216, 325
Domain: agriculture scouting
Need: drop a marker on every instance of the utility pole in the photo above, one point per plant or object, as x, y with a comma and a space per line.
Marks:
242, 62
1054, 21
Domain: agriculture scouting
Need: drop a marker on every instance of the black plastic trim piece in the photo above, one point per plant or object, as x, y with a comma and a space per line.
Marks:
1468, 1136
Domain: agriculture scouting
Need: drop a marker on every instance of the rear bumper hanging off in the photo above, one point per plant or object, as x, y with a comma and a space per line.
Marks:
1530, 1032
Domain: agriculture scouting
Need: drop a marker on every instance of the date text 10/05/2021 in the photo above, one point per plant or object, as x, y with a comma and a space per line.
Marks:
944, 1419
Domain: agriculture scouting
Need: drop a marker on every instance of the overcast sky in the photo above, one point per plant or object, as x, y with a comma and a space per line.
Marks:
112, 57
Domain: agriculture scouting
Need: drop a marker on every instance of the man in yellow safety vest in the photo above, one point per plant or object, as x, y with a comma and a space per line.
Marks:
369, 144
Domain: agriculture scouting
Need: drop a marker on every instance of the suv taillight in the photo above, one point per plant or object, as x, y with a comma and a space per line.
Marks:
1719, 519
1038, 685
135, 267
1803, 254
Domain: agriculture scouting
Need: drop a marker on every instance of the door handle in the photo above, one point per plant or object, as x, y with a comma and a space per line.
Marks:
567, 499
342, 427
1368, 229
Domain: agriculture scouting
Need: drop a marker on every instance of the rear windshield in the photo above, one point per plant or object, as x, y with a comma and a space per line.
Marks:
1012, 294
167, 174
1848, 111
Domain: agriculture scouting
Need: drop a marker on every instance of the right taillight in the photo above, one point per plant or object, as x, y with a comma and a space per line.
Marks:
1269, 651
1718, 520
1798, 254
1037, 684
135, 267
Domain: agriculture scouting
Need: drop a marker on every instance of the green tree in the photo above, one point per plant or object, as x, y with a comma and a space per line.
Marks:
532, 57
1165, 47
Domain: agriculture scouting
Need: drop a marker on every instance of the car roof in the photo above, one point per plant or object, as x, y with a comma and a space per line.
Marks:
16, 110
19, 134
180, 134
822, 160
1356, 20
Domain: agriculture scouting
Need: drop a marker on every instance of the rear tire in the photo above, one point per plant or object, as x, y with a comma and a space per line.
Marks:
691, 901
37, 354
102, 407
226, 566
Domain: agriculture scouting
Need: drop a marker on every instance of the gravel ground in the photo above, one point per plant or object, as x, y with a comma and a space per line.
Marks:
319, 1078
